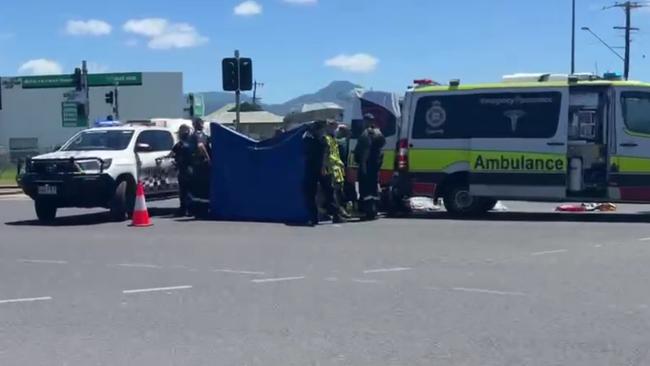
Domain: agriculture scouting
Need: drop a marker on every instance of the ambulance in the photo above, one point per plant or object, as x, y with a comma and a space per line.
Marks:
533, 137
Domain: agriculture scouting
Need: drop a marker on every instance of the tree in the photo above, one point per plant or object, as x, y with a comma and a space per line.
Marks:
247, 107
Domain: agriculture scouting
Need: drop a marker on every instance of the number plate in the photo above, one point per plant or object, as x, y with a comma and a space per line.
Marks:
47, 190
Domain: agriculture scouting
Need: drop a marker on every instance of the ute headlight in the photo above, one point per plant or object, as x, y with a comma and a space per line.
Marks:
89, 166
106, 164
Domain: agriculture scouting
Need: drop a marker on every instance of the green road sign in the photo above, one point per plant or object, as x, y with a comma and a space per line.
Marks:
70, 115
67, 81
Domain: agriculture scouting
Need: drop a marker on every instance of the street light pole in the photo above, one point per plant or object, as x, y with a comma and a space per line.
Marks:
573, 38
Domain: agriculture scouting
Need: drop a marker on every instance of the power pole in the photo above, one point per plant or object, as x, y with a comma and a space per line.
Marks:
627, 7
255, 85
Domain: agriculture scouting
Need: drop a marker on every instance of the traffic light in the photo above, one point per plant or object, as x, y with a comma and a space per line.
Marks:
237, 76
230, 70
109, 97
245, 74
76, 78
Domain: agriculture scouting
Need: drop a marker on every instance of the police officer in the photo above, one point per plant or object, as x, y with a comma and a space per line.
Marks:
369, 156
200, 148
349, 192
314, 151
182, 154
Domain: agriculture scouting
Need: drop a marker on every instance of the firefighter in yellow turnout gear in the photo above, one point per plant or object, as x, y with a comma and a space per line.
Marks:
333, 173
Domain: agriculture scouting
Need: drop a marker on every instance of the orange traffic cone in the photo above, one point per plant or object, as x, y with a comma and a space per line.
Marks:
140, 214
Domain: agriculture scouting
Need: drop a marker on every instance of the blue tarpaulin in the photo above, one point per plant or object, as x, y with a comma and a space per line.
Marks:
257, 181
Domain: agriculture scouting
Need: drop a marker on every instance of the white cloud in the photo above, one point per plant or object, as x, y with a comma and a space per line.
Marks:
91, 27
40, 66
301, 2
97, 68
248, 8
360, 62
163, 34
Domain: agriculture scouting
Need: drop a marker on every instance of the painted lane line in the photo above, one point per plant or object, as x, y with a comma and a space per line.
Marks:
644, 239
233, 271
382, 270
41, 261
155, 289
550, 252
138, 265
279, 279
365, 281
489, 292
32, 299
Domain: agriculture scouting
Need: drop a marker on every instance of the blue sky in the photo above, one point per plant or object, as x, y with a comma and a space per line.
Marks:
299, 46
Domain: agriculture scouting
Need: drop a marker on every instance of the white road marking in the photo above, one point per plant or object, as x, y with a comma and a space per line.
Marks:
32, 299
139, 265
644, 239
279, 279
381, 270
137, 291
41, 261
558, 251
233, 271
14, 197
365, 281
490, 292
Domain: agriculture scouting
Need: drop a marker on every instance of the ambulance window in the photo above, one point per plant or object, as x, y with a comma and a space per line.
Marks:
636, 112
493, 115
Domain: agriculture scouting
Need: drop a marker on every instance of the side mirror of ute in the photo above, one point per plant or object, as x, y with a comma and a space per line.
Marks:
142, 147
56, 148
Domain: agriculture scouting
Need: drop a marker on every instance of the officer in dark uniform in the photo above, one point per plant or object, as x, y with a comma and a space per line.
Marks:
369, 156
182, 154
200, 148
314, 151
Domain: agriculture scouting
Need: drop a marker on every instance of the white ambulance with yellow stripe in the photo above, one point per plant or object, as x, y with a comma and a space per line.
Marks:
537, 137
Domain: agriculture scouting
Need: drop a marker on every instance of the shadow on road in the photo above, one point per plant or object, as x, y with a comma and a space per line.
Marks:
90, 219
639, 217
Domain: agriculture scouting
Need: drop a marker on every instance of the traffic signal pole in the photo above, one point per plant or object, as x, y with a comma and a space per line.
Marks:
237, 94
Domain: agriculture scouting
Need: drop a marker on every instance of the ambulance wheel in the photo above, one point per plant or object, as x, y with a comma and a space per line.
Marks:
488, 204
45, 211
121, 205
459, 201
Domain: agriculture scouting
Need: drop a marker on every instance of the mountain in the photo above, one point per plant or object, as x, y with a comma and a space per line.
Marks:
337, 92
217, 100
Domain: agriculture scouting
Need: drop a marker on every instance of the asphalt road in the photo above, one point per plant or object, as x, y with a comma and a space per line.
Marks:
520, 288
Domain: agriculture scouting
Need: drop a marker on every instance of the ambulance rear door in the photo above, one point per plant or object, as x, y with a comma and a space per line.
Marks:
518, 140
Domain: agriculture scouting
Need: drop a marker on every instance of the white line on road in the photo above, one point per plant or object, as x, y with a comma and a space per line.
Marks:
41, 261
550, 252
139, 265
233, 271
280, 279
381, 270
644, 239
365, 281
137, 291
32, 299
491, 292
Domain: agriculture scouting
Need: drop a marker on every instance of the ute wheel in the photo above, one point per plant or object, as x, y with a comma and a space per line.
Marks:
45, 211
121, 204
459, 201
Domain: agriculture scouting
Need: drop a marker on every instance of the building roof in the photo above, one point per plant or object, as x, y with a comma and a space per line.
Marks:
223, 116
320, 106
